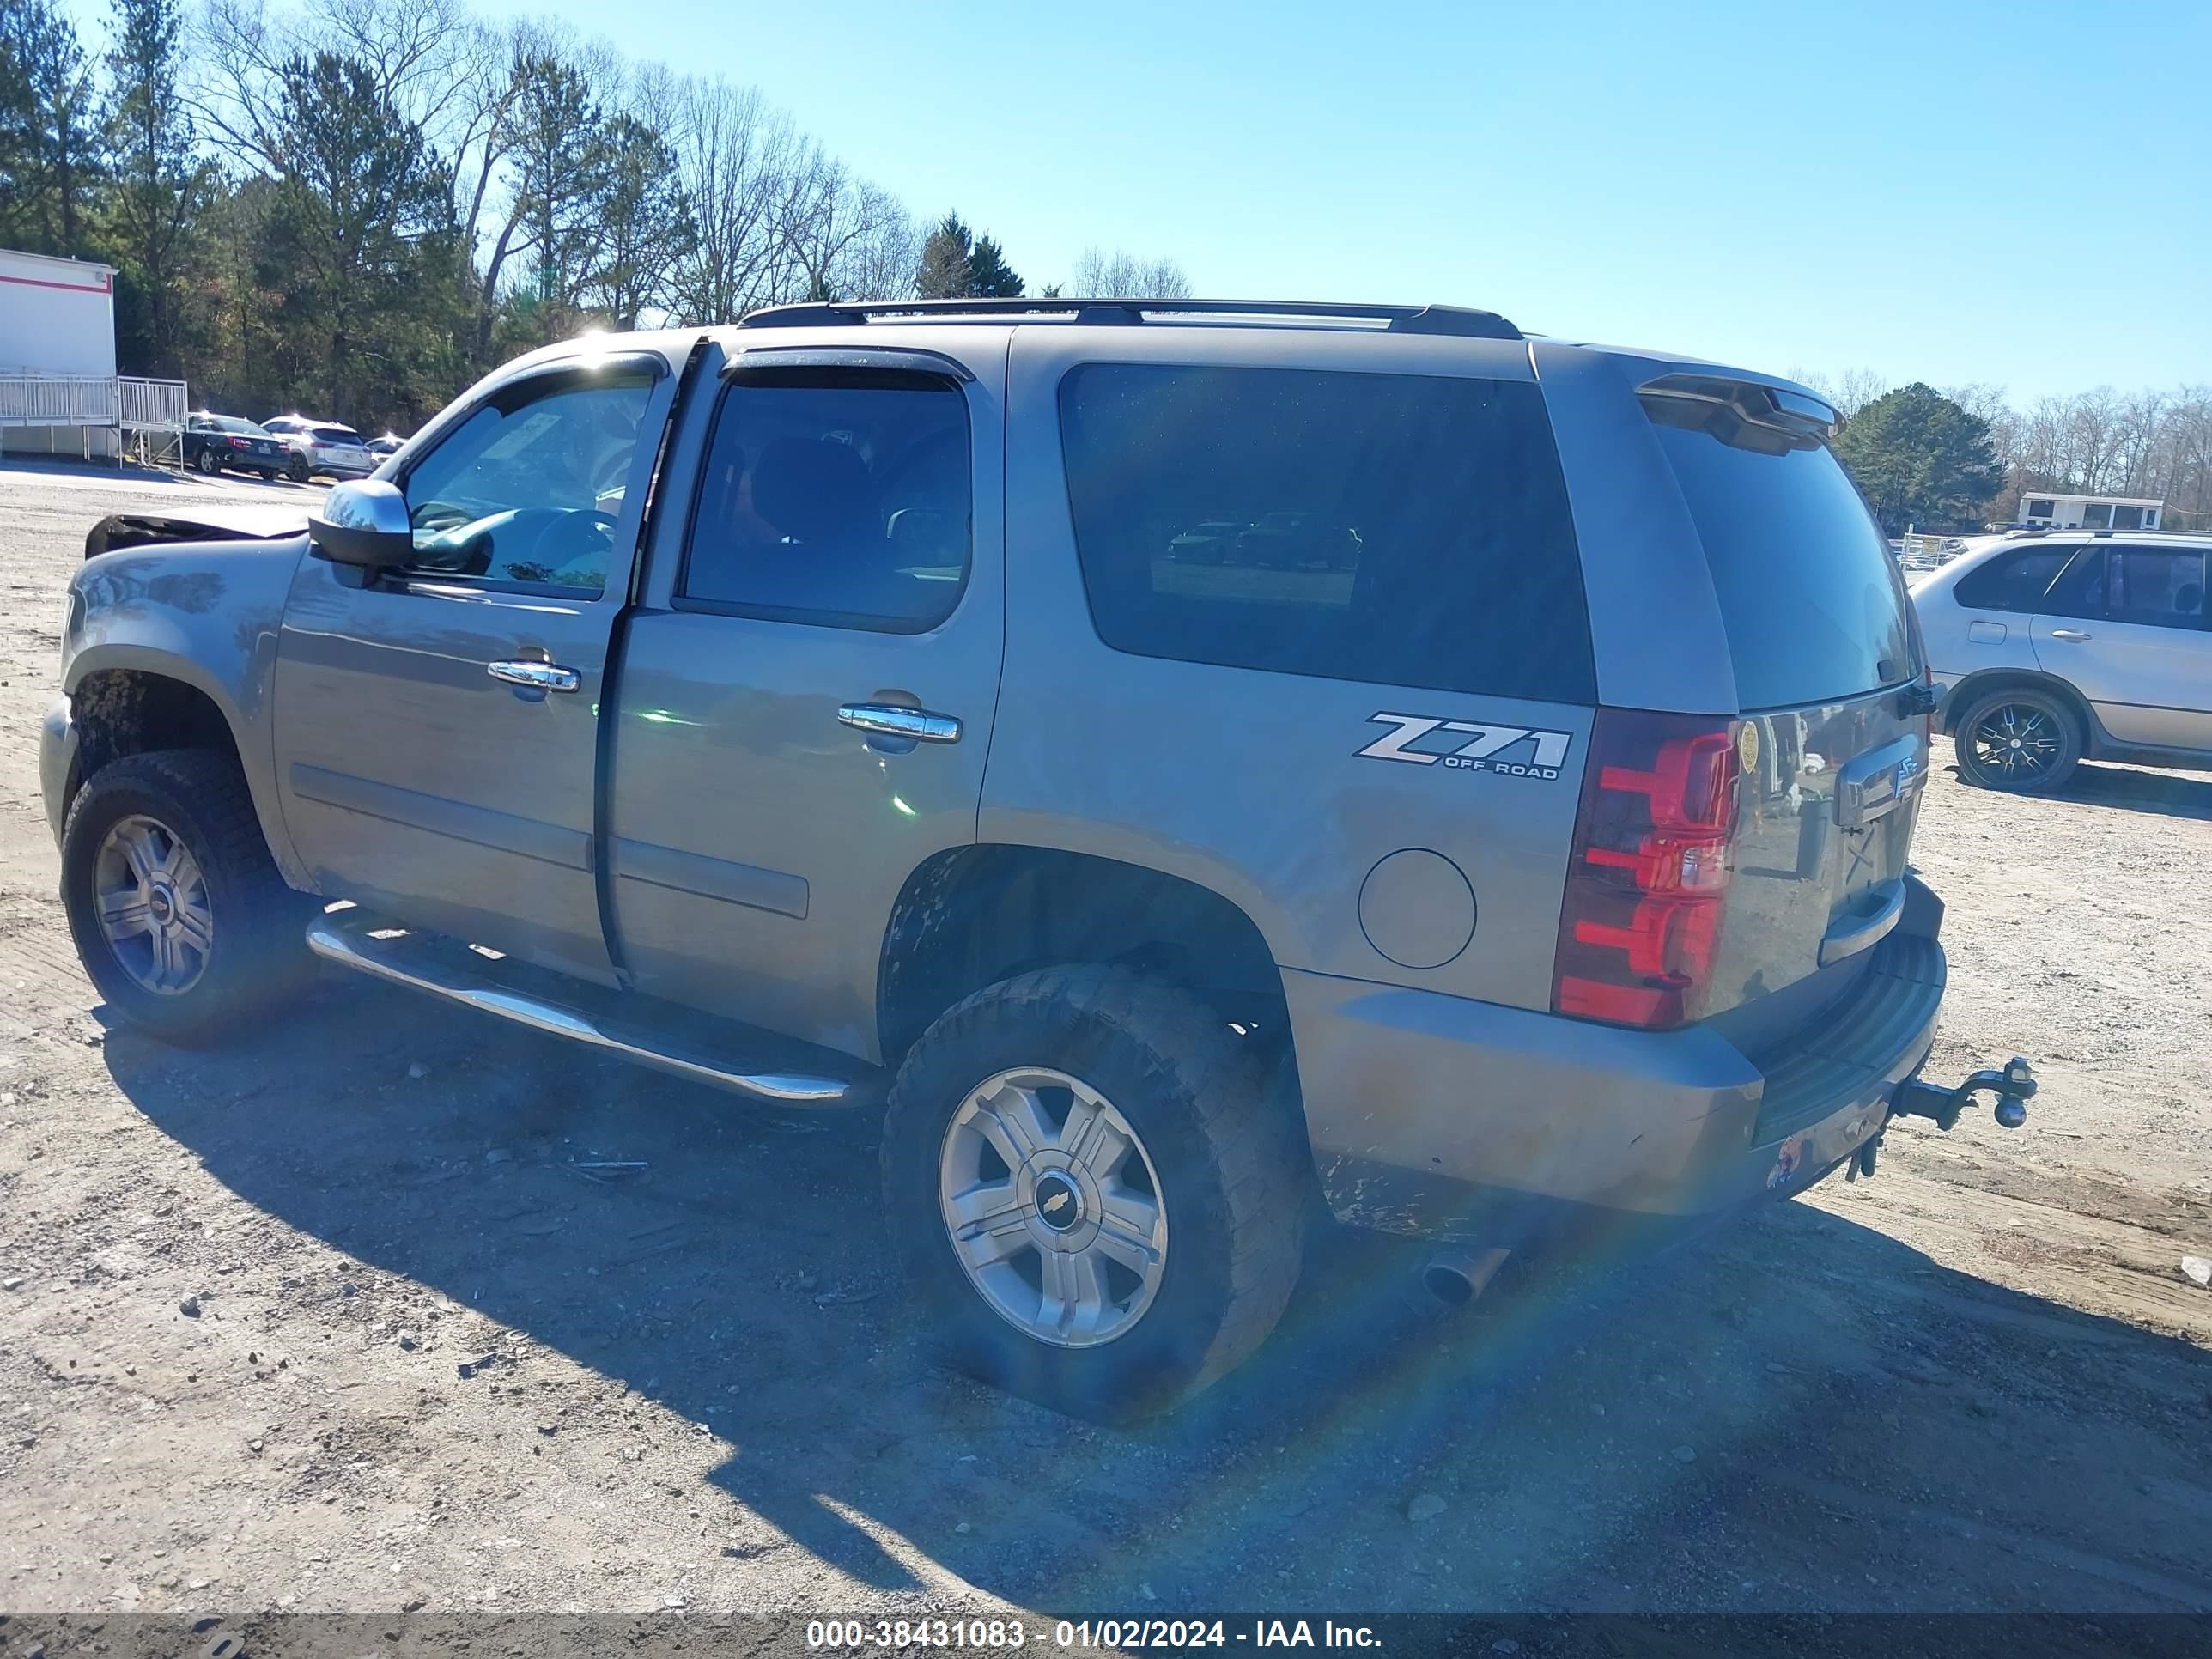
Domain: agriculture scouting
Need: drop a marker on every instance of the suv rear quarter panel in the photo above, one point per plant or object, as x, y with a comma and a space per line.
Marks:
1249, 783
1655, 628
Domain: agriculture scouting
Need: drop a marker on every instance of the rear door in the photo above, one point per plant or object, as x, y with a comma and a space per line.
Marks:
2126, 626
1821, 647
809, 683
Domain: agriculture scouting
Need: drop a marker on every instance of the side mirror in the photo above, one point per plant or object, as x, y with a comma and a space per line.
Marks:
365, 523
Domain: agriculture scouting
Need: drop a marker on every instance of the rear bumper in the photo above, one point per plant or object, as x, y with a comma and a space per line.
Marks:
1459, 1120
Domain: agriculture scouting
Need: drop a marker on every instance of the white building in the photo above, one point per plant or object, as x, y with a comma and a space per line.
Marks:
2090, 512
59, 392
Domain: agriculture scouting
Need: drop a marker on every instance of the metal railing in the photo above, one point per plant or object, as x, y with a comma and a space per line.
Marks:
129, 401
59, 400
150, 405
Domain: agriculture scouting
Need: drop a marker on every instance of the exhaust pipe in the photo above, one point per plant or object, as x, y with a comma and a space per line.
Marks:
1454, 1277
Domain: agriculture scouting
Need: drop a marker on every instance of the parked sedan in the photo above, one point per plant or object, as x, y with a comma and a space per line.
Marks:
322, 446
386, 446
213, 442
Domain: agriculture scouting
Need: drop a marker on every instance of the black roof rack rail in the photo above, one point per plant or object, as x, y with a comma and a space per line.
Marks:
1458, 320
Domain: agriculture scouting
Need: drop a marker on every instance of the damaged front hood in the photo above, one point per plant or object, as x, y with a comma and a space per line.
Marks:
215, 521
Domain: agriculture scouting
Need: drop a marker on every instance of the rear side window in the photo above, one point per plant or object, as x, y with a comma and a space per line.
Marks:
1399, 529
1812, 603
2012, 581
2156, 587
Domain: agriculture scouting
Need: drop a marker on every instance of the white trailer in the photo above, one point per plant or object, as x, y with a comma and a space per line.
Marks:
2049, 509
57, 317
59, 392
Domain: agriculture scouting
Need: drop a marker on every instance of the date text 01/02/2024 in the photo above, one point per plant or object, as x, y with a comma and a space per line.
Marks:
856, 1635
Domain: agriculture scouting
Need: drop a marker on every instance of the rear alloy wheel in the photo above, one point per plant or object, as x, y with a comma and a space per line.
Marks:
1094, 1199
296, 469
2021, 740
1053, 1206
207, 463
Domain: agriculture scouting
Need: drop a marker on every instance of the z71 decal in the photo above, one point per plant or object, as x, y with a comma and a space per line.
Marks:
1513, 751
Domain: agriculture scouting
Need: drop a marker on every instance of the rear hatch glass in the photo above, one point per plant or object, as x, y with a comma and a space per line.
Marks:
1831, 762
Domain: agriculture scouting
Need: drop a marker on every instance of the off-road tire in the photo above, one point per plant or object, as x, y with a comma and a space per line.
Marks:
2066, 727
1233, 1170
258, 953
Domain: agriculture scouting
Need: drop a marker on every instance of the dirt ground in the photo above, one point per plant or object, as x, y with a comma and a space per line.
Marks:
330, 1320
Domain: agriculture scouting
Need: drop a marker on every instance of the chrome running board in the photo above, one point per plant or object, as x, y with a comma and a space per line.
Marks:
333, 942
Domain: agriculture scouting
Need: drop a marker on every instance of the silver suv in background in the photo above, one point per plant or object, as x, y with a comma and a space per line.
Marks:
2066, 645
322, 446
1170, 759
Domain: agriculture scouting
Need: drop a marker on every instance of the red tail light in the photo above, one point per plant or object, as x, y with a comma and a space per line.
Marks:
1649, 875
237, 443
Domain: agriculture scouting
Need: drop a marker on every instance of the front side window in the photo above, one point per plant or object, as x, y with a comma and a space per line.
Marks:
2156, 587
527, 489
1399, 529
2012, 581
835, 497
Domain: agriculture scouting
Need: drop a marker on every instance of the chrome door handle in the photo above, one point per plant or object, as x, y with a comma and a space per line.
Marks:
889, 721
535, 676
2071, 635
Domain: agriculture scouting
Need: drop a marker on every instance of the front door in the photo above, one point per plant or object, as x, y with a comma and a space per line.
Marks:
437, 727
810, 679
2126, 626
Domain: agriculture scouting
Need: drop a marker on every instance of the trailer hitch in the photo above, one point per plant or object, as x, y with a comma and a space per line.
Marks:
2012, 1085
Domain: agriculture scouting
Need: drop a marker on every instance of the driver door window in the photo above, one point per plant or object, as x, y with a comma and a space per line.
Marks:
526, 492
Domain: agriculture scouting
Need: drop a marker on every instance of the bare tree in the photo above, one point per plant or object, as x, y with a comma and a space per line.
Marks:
1123, 275
1846, 393
845, 239
732, 154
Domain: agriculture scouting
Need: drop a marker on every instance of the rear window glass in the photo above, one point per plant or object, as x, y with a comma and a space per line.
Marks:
2012, 581
337, 434
1399, 529
1812, 603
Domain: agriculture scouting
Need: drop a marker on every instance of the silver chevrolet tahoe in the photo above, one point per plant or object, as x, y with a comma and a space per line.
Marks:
1180, 762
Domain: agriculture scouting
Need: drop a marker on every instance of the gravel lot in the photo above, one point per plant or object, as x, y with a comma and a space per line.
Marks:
330, 1320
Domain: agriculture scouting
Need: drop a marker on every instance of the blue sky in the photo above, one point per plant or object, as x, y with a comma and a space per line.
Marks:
1953, 191
1828, 185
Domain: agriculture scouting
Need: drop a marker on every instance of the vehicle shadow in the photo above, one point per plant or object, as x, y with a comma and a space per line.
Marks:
2175, 794
1798, 1413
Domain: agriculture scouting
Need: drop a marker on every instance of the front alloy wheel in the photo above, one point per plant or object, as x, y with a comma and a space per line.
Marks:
1053, 1207
179, 914
153, 904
